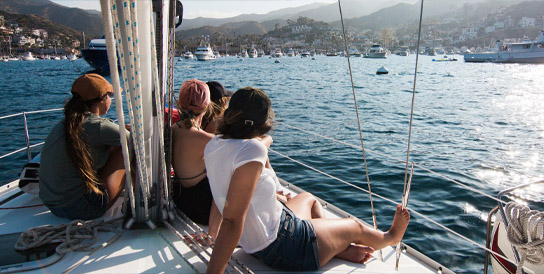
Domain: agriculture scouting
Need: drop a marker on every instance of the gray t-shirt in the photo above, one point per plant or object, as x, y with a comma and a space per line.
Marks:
60, 184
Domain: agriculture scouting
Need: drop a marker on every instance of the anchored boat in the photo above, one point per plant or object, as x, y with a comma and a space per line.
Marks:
143, 231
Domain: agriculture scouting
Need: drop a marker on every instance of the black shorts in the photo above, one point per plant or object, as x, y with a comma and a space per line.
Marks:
195, 201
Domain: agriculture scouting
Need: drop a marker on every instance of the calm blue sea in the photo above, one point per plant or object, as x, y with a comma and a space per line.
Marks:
479, 124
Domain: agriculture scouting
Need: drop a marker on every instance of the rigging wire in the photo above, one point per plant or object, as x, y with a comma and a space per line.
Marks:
406, 188
396, 159
359, 124
395, 203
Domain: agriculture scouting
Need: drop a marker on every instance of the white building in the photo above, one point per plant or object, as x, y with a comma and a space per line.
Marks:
527, 22
499, 25
490, 29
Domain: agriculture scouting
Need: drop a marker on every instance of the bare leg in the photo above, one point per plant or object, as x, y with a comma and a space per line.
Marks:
306, 206
334, 236
112, 175
356, 253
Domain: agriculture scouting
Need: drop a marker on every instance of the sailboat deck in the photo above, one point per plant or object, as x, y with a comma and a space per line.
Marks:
160, 250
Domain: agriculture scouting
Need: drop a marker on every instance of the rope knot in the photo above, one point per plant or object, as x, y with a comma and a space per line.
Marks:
525, 232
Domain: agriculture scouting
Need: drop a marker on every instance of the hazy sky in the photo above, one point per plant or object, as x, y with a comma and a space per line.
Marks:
211, 9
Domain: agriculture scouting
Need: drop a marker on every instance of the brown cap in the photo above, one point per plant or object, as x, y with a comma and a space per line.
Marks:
91, 86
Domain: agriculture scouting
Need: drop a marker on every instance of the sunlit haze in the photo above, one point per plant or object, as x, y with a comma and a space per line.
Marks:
211, 9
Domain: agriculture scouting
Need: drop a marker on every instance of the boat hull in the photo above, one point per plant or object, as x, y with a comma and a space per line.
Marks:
97, 58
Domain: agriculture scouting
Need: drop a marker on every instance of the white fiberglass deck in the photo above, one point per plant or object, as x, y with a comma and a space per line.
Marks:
161, 251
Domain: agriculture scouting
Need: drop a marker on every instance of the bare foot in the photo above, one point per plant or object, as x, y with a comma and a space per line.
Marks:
356, 253
400, 223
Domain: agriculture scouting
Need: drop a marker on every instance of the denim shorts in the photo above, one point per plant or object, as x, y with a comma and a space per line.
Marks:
295, 248
90, 206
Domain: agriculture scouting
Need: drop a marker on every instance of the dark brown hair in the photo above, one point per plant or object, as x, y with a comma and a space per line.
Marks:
248, 115
77, 148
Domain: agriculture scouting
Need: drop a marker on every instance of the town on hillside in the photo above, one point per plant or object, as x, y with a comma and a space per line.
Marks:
16, 40
449, 34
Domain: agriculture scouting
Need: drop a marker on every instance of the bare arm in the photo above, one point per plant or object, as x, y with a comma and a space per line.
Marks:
214, 221
242, 185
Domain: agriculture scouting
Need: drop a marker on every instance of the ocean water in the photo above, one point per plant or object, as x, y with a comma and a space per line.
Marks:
481, 125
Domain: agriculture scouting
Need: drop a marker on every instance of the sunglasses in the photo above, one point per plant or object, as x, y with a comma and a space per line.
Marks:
110, 94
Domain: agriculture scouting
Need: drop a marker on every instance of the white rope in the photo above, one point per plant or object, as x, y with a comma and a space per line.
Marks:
112, 59
77, 235
525, 232
132, 84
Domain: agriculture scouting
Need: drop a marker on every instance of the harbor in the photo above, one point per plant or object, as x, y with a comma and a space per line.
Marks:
452, 142
468, 138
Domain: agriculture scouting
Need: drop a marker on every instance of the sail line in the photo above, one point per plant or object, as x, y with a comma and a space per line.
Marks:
359, 126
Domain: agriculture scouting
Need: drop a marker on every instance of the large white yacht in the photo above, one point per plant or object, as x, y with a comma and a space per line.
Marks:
376, 51
28, 56
252, 53
204, 52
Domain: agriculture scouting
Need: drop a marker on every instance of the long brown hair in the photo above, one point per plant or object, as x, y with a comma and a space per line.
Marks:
215, 111
77, 148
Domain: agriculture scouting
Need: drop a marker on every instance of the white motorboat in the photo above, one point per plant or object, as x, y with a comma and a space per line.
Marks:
216, 53
523, 52
27, 56
376, 51
142, 231
72, 57
188, 55
204, 51
430, 51
305, 53
277, 53
252, 53
290, 52
243, 54
404, 51
354, 52
260, 53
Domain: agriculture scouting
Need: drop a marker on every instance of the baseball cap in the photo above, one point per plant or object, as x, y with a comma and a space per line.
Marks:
194, 95
218, 91
91, 86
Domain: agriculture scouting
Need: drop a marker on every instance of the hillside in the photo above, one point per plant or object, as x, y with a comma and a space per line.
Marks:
77, 19
54, 30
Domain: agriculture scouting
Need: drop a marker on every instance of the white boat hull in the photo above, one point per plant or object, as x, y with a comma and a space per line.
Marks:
500, 244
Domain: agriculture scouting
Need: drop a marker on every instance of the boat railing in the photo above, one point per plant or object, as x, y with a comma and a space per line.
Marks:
416, 165
28, 146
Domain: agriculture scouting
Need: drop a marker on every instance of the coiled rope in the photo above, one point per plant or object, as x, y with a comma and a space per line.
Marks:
77, 235
525, 232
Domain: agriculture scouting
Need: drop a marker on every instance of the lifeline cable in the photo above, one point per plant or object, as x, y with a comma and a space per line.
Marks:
359, 126
394, 202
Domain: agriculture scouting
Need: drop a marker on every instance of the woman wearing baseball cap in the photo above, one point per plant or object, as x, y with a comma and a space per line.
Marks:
81, 163
191, 188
